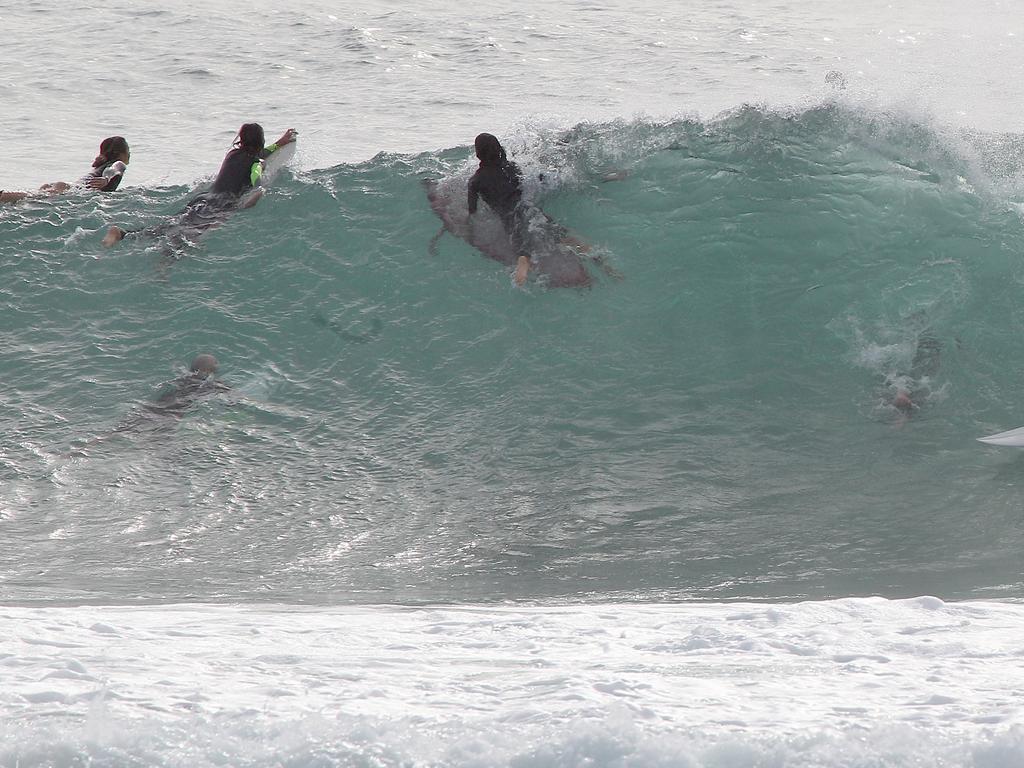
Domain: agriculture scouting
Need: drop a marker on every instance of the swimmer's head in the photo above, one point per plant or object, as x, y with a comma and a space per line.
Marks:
250, 136
489, 150
205, 365
112, 148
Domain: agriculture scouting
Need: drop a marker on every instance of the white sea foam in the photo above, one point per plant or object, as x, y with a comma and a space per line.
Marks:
852, 682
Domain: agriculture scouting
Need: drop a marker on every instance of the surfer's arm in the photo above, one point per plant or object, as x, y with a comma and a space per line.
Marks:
472, 194
250, 199
286, 138
256, 173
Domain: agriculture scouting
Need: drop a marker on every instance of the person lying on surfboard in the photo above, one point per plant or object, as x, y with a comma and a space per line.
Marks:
234, 187
105, 175
499, 182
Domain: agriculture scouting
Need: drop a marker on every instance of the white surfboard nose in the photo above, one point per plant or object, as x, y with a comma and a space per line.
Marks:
1012, 437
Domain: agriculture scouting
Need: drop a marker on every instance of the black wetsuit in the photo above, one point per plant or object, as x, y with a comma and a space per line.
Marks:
501, 187
183, 391
209, 209
235, 175
234, 179
529, 229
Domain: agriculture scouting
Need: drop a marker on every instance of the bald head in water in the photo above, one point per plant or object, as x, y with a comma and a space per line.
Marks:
204, 364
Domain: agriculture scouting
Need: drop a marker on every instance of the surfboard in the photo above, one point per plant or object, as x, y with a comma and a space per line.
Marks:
558, 265
276, 161
1013, 438
272, 166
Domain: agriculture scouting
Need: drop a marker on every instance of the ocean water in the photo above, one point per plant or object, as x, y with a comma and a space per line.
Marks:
675, 518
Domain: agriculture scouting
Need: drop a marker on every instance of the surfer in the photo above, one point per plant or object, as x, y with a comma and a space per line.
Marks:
175, 398
235, 186
499, 182
184, 390
909, 389
105, 175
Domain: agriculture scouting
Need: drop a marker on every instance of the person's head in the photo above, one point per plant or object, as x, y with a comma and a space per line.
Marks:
250, 137
112, 148
205, 365
489, 150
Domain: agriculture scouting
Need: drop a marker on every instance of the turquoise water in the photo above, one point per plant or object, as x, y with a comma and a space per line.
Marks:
685, 516
404, 424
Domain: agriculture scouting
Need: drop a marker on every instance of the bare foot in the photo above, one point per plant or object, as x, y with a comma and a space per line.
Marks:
114, 235
522, 267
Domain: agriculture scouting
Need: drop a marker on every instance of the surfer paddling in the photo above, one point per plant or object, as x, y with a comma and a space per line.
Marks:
105, 175
499, 182
236, 185
175, 399
184, 390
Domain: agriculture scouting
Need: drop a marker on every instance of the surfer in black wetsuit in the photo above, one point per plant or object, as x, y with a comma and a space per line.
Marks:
175, 398
105, 176
243, 165
184, 390
498, 180
500, 183
235, 186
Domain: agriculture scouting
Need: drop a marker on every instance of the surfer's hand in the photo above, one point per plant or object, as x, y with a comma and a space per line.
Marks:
287, 137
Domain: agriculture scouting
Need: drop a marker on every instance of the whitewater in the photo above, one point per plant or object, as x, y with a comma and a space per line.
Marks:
681, 516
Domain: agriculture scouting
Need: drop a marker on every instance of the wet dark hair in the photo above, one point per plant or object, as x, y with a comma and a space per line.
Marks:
204, 364
489, 150
110, 148
250, 136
